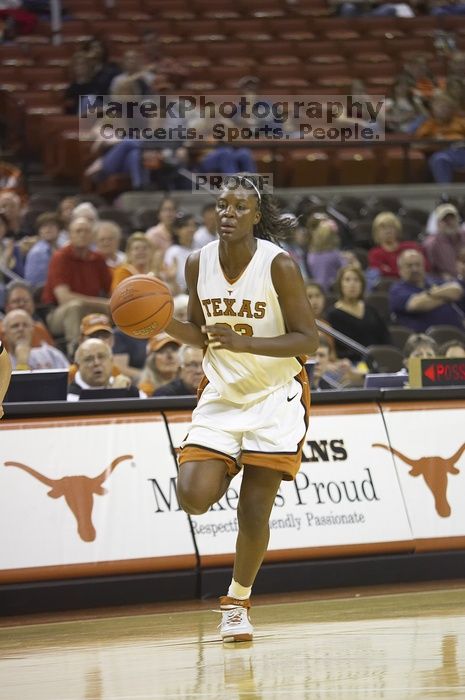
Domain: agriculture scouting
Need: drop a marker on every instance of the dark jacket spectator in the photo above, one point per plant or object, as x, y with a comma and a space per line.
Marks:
419, 303
352, 316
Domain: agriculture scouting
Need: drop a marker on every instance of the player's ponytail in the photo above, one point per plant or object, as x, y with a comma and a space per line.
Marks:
273, 225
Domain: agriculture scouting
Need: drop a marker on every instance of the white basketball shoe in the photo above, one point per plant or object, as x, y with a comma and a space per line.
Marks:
235, 625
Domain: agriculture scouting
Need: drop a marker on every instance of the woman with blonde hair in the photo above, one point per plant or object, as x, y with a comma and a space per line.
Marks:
387, 234
139, 253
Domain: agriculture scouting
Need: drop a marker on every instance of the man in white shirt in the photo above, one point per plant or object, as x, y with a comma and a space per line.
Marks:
18, 327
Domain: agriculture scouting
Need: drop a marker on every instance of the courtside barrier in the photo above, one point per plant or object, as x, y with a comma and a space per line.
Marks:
88, 490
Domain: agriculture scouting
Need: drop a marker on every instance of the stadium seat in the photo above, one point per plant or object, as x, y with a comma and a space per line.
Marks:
443, 333
380, 301
360, 233
309, 168
399, 336
384, 358
357, 166
403, 165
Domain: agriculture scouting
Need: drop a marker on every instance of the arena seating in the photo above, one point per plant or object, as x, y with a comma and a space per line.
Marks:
293, 48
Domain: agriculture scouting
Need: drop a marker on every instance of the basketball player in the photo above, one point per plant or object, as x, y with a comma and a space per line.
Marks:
248, 307
5, 374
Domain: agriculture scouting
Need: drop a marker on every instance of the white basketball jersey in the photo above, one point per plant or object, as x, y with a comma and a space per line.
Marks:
250, 306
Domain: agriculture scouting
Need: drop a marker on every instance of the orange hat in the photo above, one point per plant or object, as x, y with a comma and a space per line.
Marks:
95, 322
159, 341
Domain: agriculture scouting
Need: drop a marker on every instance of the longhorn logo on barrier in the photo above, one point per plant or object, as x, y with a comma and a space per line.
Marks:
78, 492
435, 471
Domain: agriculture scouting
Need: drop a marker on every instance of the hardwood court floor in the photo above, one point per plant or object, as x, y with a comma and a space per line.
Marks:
393, 645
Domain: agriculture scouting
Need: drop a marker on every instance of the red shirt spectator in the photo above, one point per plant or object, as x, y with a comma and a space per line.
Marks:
78, 282
387, 230
89, 275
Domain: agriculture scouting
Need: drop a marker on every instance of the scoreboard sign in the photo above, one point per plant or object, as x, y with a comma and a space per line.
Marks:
436, 372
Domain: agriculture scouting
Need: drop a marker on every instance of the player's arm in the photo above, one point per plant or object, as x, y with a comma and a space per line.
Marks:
189, 332
5, 374
301, 337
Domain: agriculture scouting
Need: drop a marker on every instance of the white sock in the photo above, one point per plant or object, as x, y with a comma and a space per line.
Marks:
239, 592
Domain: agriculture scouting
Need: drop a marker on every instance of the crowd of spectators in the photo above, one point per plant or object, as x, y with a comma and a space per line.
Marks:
56, 288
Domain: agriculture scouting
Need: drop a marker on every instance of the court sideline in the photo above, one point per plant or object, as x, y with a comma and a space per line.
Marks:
379, 643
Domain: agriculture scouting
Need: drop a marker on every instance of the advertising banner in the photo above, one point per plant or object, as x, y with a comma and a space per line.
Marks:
427, 446
345, 498
83, 491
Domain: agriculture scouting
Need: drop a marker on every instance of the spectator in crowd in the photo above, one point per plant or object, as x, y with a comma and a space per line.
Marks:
444, 248
78, 283
19, 296
65, 212
387, 234
297, 243
83, 82
206, 232
454, 7
358, 8
187, 381
18, 328
103, 70
38, 258
11, 259
10, 207
420, 345
139, 254
124, 155
133, 69
418, 302
317, 298
445, 124
108, 237
453, 349
95, 362
352, 316
455, 89
5, 375
325, 258
404, 111
11, 178
85, 210
421, 78
320, 376
177, 254
166, 216
162, 363
99, 326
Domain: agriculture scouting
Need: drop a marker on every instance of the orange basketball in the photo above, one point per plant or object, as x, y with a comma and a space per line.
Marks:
141, 306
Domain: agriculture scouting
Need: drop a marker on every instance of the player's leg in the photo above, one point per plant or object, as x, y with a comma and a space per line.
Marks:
201, 484
258, 491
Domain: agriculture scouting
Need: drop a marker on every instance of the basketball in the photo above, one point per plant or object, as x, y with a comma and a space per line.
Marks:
141, 306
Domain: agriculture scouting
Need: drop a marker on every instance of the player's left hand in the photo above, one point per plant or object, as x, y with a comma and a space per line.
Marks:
223, 337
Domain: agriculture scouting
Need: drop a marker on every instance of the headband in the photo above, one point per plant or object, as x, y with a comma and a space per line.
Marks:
248, 179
